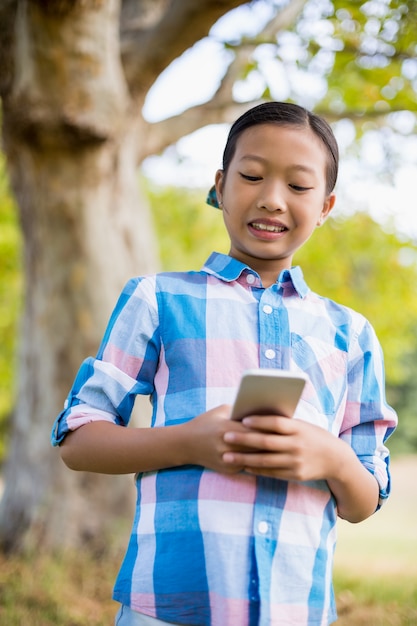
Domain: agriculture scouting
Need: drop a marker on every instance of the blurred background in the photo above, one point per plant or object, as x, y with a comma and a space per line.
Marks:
114, 118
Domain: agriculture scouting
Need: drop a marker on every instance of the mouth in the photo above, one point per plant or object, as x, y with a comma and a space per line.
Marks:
268, 227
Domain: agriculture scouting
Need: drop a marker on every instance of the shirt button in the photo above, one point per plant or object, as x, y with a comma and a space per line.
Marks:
267, 308
269, 354
263, 527
250, 279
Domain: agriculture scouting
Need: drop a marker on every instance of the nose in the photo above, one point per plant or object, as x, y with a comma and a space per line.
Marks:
272, 197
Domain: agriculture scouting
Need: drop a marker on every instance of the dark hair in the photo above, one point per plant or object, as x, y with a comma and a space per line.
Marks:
286, 114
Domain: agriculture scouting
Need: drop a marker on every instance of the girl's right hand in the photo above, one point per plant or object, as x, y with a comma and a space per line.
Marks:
204, 439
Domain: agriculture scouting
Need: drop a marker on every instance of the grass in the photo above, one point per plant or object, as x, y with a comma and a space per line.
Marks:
376, 561
70, 590
375, 573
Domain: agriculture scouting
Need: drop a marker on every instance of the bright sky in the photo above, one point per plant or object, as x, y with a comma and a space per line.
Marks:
195, 158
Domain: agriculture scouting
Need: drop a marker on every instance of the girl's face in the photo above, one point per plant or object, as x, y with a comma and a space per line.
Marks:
273, 195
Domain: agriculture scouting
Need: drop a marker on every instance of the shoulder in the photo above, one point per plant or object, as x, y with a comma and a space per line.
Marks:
164, 282
347, 322
335, 309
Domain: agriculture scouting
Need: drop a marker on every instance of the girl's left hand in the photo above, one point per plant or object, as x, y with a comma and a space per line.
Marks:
285, 448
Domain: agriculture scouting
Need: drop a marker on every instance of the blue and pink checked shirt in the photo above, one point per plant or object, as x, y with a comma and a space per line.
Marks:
213, 550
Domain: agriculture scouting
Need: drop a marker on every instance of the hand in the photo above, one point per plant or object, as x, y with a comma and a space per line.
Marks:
284, 448
206, 445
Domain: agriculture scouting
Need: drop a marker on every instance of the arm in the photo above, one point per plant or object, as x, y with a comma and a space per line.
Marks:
354, 487
292, 449
107, 448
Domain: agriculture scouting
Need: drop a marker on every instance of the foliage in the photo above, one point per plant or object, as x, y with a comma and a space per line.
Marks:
404, 397
365, 51
10, 299
188, 230
373, 43
353, 61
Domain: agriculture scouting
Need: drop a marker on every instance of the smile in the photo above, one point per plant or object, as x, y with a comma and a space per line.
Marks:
270, 228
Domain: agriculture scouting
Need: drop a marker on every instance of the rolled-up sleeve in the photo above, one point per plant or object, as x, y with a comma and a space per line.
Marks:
106, 386
369, 420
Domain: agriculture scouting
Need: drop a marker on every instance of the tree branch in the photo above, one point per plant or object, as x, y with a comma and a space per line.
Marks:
283, 20
221, 108
160, 135
148, 50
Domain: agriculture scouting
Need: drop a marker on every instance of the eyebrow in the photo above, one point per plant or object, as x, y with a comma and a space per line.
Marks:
299, 167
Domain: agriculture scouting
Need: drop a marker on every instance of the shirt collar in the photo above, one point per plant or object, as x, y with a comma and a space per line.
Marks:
228, 269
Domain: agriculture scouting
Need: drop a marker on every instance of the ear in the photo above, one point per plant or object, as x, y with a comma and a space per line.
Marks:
327, 208
218, 183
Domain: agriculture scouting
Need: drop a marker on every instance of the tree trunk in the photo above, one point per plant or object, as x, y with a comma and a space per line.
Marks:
86, 231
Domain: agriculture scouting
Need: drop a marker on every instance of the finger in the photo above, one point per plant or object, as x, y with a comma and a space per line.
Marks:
266, 460
269, 423
254, 440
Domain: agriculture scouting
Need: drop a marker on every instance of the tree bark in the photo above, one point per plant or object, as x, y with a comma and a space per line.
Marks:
72, 164
86, 231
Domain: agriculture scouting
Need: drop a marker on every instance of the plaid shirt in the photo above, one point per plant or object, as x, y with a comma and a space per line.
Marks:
233, 550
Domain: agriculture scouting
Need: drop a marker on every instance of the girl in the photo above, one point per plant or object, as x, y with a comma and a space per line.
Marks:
235, 521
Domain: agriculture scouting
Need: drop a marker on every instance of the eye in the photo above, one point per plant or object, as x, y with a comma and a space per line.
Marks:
300, 188
251, 178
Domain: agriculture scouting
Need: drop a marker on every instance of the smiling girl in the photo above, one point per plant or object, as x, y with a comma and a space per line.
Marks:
235, 522
273, 195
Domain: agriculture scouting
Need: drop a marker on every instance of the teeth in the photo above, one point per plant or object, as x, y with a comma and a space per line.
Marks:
268, 227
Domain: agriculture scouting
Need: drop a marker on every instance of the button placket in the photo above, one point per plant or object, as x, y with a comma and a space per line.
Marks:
270, 328
268, 325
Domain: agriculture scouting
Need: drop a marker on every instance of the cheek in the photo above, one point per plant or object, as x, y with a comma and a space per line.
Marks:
306, 221
310, 211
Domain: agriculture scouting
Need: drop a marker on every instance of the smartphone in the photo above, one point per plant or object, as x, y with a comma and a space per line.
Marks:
268, 392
